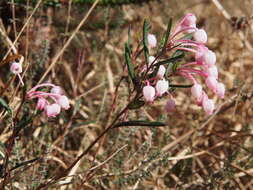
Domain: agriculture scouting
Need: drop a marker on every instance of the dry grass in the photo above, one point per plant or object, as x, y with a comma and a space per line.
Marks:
192, 151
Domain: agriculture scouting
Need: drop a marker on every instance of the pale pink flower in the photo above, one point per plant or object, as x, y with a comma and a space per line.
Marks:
210, 58
204, 56
202, 98
220, 90
42, 102
148, 93
16, 68
161, 72
199, 56
212, 71
152, 40
196, 91
161, 87
170, 105
52, 110
63, 101
208, 106
189, 20
56, 90
200, 36
211, 83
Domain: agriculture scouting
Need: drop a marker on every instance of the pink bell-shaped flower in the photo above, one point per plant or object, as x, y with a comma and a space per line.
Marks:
52, 110
148, 93
16, 68
220, 90
161, 87
210, 58
212, 71
170, 105
211, 83
189, 20
208, 106
200, 36
161, 72
196, 91
63, 101
199, 56
152, 40
42, 102
56, 90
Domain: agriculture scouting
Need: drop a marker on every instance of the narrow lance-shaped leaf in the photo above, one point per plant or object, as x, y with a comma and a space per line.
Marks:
130, 66
145, 40
166, 35
140, 123
136, 104
177, 55
5, 105
170, 60
181, 85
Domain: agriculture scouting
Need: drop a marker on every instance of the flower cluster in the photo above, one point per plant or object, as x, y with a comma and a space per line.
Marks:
204, 65
55, 95
157, 86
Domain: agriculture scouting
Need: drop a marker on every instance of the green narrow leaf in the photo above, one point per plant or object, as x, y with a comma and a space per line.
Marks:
175, 66
5, 105
140, 123
145, 40
166, 35
170, 60
171, 66
130, 66
181, 85
25, 120
136, 104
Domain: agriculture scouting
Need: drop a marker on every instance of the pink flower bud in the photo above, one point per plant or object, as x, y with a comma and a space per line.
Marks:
196, 91
41, 104
170, 105
148, 93
161, 87
208, 106
53, 110
63, 101
200, 36
210, 58
152, 40
202, 98
199, 56
161, 72
16, 68
211, 83
56, 90
189, 20
212, 71
220, 90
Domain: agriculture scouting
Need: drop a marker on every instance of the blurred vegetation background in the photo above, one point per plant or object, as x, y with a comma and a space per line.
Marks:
191, 152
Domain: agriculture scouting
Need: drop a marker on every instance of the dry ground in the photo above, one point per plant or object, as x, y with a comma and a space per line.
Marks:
192, 152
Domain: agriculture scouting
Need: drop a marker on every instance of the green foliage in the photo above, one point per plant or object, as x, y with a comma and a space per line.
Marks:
165, 38
5, 105
146, 28
140, 123
136, 104
129, 63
